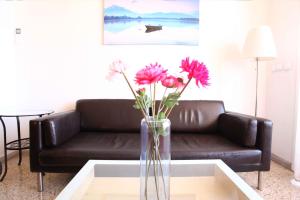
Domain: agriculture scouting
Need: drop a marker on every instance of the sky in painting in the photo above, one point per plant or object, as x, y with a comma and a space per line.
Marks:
150, 6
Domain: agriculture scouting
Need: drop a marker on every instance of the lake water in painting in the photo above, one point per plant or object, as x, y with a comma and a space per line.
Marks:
159, 22
134, 31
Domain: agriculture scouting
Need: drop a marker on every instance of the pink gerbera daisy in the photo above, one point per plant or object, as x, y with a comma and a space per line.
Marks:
196, 70
150, 74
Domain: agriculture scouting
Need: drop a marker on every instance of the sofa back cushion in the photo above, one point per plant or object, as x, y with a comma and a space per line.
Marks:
196, 116
108, 115
193, 116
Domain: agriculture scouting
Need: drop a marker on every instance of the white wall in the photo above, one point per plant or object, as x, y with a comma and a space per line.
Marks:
60, 57
296, 163
8, 81
282, 75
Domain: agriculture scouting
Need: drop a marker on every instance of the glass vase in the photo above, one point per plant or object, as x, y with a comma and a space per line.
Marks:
155, 159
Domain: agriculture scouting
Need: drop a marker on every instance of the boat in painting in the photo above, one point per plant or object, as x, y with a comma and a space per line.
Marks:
151, 28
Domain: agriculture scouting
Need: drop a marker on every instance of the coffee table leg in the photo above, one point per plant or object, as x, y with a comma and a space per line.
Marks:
5, 150
19, 141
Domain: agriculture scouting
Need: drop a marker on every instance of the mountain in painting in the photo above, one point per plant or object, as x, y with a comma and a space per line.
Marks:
171, 15
118, 11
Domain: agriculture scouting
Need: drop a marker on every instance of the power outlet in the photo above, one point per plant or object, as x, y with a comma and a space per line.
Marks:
18, 31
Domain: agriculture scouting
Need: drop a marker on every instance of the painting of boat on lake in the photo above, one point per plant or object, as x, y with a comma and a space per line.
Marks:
154, 22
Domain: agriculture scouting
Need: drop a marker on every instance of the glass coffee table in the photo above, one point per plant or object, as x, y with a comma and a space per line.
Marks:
190, 180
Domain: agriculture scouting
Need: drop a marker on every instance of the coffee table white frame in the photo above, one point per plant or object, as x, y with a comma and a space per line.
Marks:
81, 180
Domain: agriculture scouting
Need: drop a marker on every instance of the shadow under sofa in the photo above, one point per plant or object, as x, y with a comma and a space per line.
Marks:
108, 129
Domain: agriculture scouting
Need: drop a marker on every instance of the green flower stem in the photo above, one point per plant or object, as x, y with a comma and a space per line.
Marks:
155, 173
144, 105
161, 108
133, 92
185, 86
161, 102
156, 159
153, 156
151, 97
162, 174
147, 171
154, 92
150, 155
156, 146
169, 111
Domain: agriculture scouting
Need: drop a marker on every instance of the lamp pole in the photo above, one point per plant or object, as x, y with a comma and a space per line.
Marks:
256, 87
259, 178
260, 45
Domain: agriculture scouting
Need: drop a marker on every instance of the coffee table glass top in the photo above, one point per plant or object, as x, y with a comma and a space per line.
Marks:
190, 180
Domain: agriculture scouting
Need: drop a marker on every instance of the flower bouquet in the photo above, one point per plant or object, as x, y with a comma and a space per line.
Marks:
155, 127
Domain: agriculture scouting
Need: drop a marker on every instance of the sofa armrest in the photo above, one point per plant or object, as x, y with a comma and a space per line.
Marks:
36, 143
240, 129
263, 136
50, 131
264, 141
60, 127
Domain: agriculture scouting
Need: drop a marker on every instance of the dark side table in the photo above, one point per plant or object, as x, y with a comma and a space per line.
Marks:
20, 143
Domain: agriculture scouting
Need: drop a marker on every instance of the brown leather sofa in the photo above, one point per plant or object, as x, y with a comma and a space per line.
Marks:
109, 129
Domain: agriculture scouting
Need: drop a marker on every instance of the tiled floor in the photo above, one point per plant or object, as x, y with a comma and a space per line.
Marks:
276, 183
21, 184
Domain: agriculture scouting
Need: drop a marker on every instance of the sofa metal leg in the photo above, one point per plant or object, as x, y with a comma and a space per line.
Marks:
40, 182
259, 180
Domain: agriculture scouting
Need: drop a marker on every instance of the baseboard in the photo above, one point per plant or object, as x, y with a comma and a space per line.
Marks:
284, 163
9, 156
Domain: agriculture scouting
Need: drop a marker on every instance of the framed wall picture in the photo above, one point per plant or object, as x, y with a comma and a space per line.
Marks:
154, 22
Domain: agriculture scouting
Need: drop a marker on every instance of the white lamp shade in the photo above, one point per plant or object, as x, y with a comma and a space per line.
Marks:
260, 44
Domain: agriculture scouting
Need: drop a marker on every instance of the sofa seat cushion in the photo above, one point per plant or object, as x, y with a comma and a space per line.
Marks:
92, 146
114, 146
212, 146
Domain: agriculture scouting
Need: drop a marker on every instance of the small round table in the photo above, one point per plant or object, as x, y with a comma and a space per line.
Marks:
20, 143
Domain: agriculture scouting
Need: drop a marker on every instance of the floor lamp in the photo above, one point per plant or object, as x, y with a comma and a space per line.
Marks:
259, 45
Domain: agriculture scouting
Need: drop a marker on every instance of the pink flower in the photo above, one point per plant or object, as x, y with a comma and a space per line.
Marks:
150, 74
196, 70
180, 83
117, 67
169, 82
201, 74
141, 91
185, 66
172, 82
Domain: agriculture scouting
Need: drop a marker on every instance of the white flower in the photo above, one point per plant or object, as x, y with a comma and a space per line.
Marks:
117, 67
